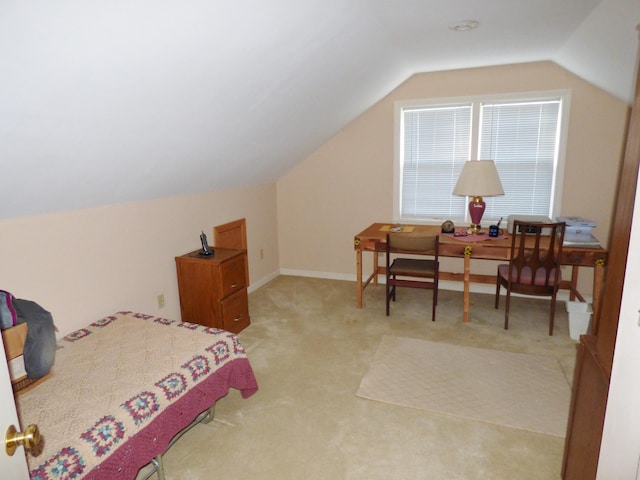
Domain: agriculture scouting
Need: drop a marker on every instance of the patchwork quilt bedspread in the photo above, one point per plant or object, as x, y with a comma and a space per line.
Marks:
122, 388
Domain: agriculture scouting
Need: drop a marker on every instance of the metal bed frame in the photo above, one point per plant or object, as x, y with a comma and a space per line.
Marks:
156, 465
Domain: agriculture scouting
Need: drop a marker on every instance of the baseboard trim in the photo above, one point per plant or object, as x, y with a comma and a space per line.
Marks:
263, 281
444, 285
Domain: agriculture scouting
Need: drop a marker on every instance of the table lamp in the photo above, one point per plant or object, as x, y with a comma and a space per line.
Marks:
479, 178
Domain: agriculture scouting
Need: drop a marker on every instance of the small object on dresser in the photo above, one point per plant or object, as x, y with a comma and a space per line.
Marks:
206, 251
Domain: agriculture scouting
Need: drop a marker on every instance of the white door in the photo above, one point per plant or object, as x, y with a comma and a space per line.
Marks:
14, 467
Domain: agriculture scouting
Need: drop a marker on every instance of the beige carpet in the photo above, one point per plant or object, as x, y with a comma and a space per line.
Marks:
519, 390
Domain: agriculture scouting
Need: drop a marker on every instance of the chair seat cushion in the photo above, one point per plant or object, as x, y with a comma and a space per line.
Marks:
413, 267
525, 276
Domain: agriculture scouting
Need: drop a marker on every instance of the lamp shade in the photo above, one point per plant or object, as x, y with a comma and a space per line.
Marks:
479, 178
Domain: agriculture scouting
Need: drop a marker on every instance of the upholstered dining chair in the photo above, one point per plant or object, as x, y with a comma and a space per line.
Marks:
410, 271
534, 264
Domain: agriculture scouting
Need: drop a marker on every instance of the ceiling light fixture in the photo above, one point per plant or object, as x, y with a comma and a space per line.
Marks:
464, 26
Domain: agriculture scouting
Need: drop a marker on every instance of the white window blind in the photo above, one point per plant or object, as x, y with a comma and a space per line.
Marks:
436, 143
523, 140
522, 135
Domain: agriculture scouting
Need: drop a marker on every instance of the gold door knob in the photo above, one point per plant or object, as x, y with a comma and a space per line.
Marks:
30, 438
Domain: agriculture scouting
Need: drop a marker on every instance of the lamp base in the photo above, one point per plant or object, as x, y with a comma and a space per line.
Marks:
476, 210
474, 229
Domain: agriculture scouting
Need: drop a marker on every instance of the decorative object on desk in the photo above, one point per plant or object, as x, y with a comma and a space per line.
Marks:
447, 227
479, 178
397, 228
494, 230
462, 235
206, 251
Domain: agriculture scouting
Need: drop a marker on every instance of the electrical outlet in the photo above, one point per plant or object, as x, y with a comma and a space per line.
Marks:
161, 300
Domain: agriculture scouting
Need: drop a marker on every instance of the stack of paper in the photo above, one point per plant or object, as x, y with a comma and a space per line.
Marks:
579, 232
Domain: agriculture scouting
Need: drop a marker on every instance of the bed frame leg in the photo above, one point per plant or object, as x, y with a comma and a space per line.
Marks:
204, 417
210, 414
159, 466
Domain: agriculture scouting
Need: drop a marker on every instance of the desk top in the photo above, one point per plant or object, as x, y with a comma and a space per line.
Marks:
482, 246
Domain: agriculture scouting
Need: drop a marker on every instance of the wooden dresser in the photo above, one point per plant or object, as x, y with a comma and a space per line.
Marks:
213, 289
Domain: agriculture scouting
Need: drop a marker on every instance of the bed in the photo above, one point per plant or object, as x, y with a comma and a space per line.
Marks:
122, 388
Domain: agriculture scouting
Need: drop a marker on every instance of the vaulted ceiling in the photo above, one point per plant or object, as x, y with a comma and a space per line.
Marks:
103, 102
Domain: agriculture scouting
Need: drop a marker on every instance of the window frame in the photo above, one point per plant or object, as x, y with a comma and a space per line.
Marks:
476, 101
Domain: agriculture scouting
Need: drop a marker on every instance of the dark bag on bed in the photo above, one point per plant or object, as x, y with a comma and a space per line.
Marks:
40, 344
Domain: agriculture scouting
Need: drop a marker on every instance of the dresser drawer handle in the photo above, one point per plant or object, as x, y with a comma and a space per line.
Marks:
234, 285
237, 319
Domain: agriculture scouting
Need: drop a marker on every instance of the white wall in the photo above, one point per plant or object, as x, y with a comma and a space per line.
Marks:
82, 265
620, 448
347, 183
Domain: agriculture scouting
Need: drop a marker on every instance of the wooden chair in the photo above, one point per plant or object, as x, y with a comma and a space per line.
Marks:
233, 235
412, 272
534, 264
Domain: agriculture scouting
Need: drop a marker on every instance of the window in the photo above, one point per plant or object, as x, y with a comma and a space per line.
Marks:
524, 135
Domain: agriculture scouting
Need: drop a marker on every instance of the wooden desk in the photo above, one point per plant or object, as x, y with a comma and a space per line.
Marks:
374, 237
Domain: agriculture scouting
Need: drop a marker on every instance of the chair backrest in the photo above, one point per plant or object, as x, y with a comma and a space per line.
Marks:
535, 253
413, 244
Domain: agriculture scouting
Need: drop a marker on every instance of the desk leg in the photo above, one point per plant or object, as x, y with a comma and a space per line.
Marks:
467, 281
574, 282
359, 278
375, 267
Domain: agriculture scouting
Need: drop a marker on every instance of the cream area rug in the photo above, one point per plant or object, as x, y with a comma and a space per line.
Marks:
523, 391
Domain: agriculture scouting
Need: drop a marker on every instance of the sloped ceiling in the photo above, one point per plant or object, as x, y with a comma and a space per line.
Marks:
104, 102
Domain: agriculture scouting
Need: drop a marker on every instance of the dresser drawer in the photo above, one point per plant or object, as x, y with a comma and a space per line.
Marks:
213, 289
232, 276
235, 311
